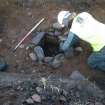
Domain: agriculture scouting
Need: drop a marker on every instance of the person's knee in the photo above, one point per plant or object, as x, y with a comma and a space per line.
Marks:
92, 62
96, 61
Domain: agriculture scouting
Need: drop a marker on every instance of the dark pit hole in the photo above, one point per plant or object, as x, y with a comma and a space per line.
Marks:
50, 45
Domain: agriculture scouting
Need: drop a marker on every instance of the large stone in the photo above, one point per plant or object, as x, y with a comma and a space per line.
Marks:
39, 53
36, 98
36, 40
39, 90
29, 101
76, 75
58, 60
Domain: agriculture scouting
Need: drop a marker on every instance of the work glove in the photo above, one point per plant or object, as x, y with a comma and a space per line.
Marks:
68, 42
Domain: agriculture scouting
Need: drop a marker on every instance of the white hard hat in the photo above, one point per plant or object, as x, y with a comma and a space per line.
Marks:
63, 17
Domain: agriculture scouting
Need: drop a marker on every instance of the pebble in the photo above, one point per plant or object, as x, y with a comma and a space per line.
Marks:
33, 56
72, 84
22, 71
13, 41
27, 48
39, 53
33, 71
39, 90
29, 101
29, 13
79, 49
21, 46
59, 57
19, 88
48, 59
36, 98
1, 40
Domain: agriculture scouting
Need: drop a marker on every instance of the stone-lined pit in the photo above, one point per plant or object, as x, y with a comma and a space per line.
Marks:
50, 45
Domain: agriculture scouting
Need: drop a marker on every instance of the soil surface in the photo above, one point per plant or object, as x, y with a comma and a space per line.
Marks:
16, 20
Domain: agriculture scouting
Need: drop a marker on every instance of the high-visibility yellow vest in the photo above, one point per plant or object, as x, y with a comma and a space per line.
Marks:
89, 29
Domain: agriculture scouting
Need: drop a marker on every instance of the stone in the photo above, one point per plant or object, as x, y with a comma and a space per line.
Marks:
36, 98
33, 56
59, 57
36, 40
39, 90
39, 53
58, 60
76, 75
33, 71
48, 59
72, 84
56, 64
29, 101
29, 13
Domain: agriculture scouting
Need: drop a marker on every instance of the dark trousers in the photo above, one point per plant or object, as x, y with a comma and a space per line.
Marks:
97, 60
